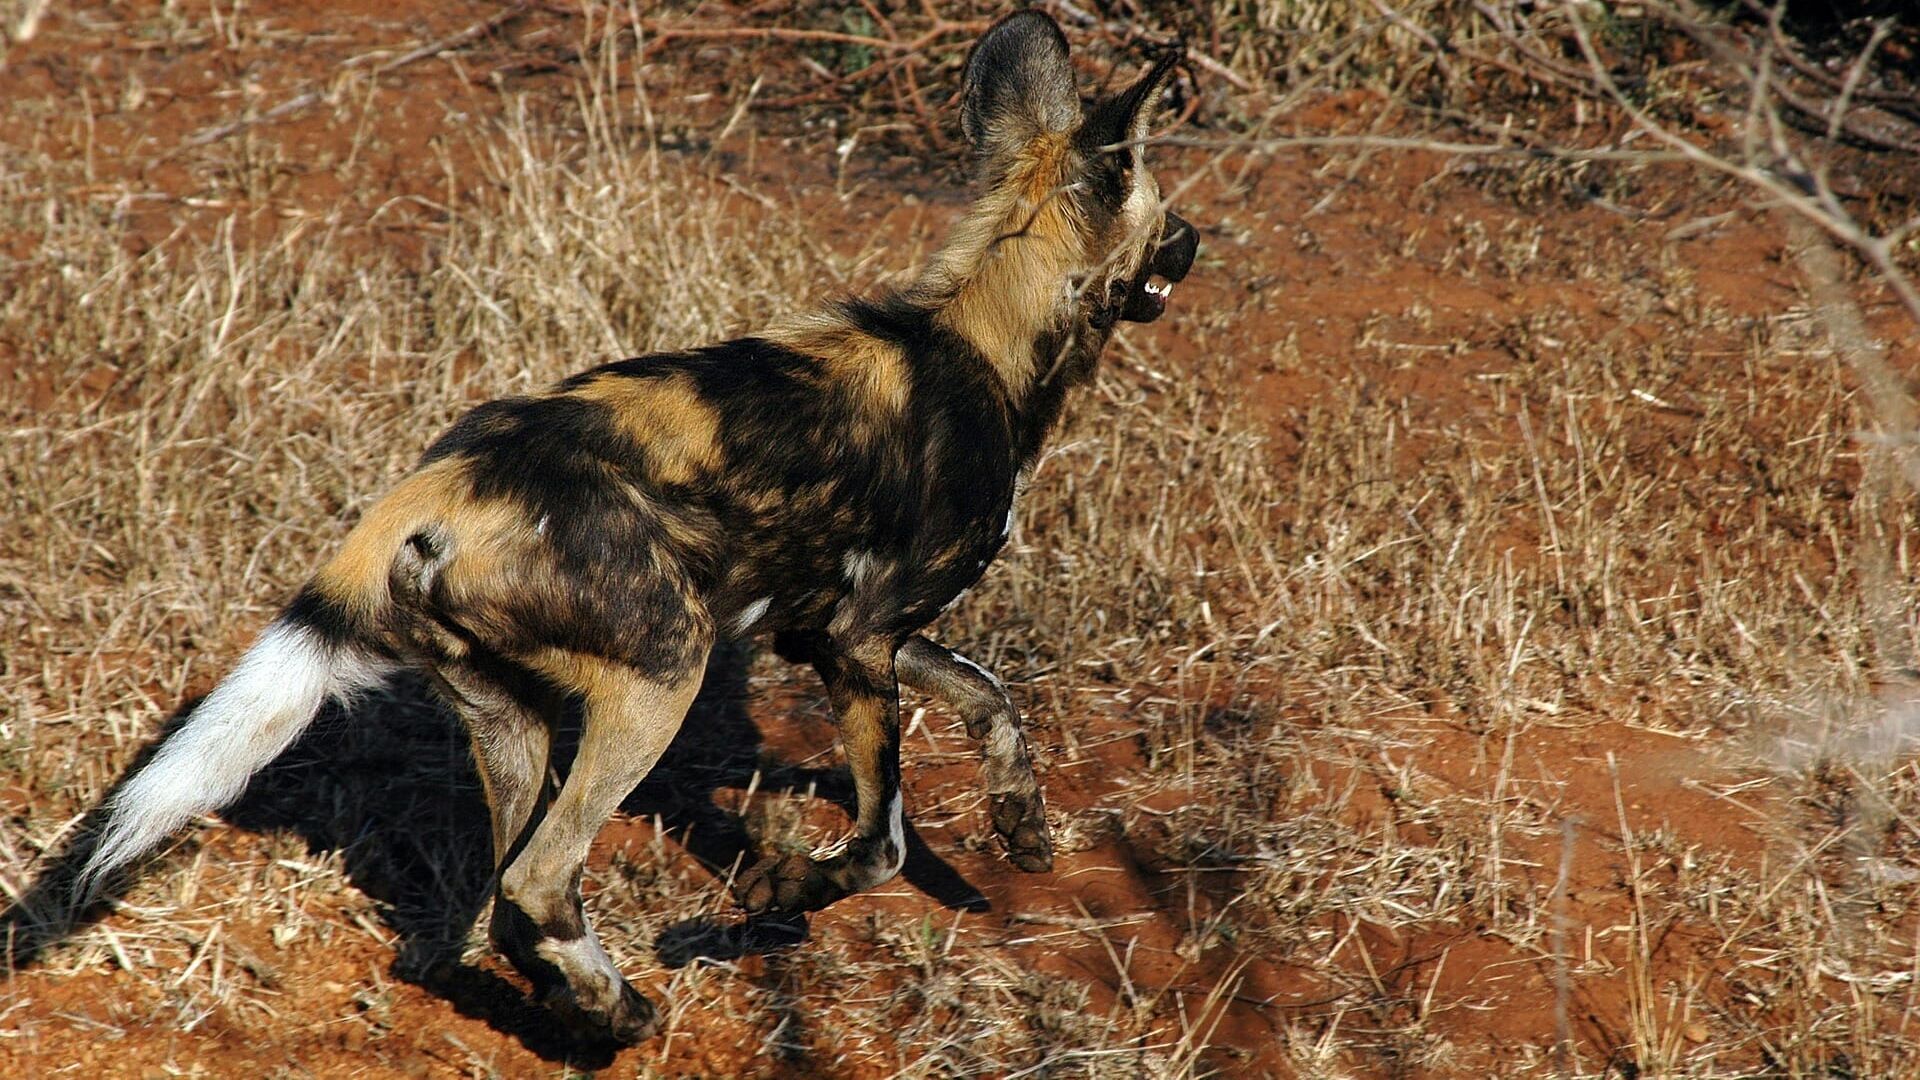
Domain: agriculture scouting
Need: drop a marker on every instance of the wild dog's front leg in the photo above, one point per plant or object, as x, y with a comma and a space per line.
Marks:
861, 684
1013, 795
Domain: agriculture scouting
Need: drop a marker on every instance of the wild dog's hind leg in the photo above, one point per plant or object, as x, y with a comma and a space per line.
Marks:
866, 698
1013, 795
508, 721
509, 734
627, 721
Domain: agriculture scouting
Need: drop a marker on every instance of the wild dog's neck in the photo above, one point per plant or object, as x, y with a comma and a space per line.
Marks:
1067, 359
1005, 279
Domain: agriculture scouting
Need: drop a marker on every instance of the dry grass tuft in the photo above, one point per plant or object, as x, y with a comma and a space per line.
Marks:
1358, 690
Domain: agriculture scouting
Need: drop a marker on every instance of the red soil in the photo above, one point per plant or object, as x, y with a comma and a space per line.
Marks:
1299, 253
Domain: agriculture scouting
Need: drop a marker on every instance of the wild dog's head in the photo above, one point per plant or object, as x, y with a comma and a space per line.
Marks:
1077, 169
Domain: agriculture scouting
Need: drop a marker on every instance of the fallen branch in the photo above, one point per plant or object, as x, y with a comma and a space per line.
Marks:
314, 97
663, 33
1779, 174
1278, 143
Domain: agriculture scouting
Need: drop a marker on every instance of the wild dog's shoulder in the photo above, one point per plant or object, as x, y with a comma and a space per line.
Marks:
865, 370
895, 355
699, 405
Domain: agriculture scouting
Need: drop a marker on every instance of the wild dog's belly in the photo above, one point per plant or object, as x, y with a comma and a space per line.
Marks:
861, 588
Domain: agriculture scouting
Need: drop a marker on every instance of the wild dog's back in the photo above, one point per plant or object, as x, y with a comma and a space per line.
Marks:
822, 456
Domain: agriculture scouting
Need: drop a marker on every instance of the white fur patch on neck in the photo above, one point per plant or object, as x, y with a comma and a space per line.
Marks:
1138, 215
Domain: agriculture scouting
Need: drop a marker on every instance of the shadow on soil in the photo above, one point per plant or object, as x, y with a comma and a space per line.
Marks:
391, 787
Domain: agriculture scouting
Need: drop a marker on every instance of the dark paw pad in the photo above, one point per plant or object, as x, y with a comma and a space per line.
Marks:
786, 885
629, 1019
1021, 820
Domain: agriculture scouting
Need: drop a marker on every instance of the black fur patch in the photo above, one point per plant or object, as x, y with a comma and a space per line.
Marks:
331, 621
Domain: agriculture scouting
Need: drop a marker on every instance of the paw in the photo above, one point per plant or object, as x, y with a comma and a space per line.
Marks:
786, 885
1020, 817
627, 1018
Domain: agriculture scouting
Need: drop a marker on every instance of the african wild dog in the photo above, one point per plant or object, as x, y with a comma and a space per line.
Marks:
836, 481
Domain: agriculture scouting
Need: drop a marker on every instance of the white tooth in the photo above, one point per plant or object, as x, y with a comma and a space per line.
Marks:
1161, 289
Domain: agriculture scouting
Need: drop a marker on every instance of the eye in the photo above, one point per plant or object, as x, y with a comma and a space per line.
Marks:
1110, 179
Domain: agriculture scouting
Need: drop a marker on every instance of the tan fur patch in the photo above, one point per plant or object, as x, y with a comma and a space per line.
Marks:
629, 721
1009, 262
1135, 228
689, 531
873, 371
356, 577
615, 694
492, 546
868, 727
812, 500
863, 736
679, 429
1043, 163
949, 555
763, 502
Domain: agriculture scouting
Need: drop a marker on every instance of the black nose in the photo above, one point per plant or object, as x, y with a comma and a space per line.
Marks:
1179, 242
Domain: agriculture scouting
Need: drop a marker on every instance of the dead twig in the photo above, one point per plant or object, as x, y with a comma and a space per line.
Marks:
1280, 143
1772, 168
1125, 32
1892, 101
314, 97
662, 34
905, 55
1833, 114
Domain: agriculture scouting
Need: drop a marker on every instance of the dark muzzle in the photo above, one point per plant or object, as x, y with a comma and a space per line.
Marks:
1169, 262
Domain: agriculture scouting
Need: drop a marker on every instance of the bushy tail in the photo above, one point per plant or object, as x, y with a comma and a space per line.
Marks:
318, 648
256, 712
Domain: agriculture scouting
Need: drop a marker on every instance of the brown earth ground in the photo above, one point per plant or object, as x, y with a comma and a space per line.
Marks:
1412, 311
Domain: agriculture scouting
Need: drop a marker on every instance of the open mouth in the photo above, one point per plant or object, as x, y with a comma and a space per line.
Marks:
1172, 257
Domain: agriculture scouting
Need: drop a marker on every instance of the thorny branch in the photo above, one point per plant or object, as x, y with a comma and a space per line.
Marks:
1769, 163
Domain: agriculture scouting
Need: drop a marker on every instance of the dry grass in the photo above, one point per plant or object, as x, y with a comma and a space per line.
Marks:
1337, 647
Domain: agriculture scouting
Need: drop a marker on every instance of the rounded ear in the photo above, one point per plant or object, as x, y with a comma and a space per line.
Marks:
1018, 85
1144, 96
1127, 117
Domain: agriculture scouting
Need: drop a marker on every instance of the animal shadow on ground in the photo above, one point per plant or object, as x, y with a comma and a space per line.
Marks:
389, 784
